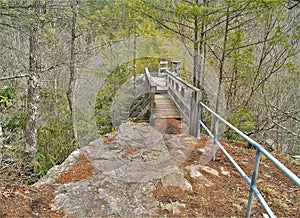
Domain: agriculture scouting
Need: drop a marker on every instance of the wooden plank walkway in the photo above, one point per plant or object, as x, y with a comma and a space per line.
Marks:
164, 107
160, 85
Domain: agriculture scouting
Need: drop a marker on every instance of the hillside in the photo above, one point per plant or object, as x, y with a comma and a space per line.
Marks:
139, 171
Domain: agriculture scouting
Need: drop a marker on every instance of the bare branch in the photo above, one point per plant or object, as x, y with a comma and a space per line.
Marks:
14, 77
286, 129
294, 2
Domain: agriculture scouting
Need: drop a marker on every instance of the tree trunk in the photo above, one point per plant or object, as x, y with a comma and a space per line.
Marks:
202, 54
134, 59
196, 52
222, 60
33, 96
72, 69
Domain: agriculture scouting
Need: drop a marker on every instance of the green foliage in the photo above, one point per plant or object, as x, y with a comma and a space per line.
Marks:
14, 124
42, 164
54, 144
98, 4
105, 98
192, 11
113, 82
12, 120
243, 121
151, 63
291, 67
260, 42
7, 94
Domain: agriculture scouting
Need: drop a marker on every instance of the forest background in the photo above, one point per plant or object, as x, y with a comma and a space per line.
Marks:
252, 46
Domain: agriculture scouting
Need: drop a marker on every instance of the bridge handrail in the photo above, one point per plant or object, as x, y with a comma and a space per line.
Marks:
149, 80
259, 150
186, 98
151, 89
182, 81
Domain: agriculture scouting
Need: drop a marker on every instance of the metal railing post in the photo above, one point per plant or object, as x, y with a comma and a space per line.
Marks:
259, 150
199, 120
253, 183
190, 114
215, 132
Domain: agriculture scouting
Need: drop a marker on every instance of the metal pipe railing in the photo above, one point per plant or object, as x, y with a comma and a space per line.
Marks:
259, 150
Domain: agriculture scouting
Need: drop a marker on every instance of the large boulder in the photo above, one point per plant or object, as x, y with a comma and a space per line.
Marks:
115, 176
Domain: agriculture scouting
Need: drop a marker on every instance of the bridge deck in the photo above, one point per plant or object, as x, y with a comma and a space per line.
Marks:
164, 107
161, 85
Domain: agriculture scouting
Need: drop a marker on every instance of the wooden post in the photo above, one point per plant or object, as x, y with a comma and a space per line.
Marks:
152, 105
151, 88
194, 113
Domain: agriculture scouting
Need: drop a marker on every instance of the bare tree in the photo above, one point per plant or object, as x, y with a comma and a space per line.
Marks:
72, 66
33, 96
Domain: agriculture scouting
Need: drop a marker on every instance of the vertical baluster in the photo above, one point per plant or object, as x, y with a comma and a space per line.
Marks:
253, 183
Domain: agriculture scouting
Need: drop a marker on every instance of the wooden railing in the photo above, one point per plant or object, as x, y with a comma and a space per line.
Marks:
151, 88
186, 97
145, 101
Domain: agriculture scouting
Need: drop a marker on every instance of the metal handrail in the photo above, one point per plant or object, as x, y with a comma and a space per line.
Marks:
259, 150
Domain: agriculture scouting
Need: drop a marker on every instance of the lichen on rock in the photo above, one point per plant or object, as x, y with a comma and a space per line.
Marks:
116, 176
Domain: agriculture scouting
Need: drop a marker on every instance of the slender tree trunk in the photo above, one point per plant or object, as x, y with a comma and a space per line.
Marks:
134, 60
232, 85
222, 60
33, 96
72, 69
196, 52
264, 54
202, 54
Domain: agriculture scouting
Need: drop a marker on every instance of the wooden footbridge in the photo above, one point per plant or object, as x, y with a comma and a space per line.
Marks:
168, 96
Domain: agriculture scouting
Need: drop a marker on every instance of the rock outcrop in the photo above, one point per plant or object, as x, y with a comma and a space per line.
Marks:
115, 176
141, 171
